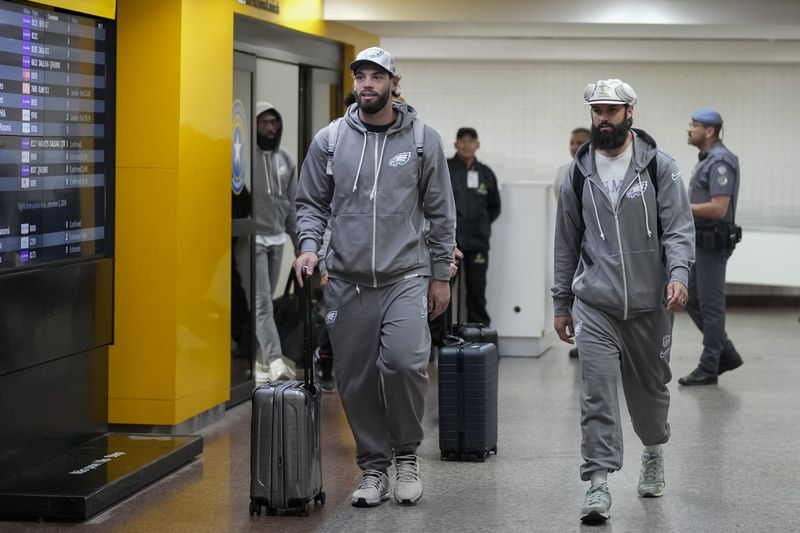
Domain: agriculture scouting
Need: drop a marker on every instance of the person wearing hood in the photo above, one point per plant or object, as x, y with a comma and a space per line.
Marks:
624, 247
275, 178
377, 184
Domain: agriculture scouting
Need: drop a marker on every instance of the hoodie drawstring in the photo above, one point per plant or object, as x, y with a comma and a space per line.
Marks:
271, 173
644, 203
360, 161
596, 215
378, 164
267, 168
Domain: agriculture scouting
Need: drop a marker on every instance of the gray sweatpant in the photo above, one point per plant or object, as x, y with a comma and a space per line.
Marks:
268, 268
639, 350
381, 345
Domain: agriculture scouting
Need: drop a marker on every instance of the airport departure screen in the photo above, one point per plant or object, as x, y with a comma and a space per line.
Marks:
53, 104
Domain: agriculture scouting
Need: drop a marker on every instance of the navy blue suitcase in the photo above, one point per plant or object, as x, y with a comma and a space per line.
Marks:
468, 331
475, 332
468, 382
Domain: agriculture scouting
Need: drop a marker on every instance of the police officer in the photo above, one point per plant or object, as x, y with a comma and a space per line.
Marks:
713, 194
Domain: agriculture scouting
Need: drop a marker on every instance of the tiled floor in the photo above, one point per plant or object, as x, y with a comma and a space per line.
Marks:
732, 463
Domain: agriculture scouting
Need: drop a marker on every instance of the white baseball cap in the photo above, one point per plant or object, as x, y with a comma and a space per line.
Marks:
611, 91
376, 56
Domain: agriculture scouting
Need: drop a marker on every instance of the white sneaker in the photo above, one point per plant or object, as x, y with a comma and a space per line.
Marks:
408, 485
373, 488
262, 373
279, 371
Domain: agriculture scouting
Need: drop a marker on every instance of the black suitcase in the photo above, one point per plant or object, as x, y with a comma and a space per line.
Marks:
475, 332
285, 458
468, 382
468, 331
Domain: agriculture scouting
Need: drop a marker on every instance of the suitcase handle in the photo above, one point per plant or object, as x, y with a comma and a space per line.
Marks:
308, 356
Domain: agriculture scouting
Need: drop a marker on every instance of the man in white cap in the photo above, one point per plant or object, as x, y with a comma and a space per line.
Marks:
713, 193
377, 183
624, 247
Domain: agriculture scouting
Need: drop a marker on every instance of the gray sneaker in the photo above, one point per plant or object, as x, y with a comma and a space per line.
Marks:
651, 477
596, 505
373, 488
408, 485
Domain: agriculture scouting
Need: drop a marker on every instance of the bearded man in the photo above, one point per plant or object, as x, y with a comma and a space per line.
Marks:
376, 175
623, 250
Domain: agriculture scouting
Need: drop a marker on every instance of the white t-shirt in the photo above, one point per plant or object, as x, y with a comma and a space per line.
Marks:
612, 171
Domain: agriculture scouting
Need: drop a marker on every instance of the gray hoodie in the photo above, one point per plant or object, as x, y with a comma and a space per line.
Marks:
629, 252
377, 201
275, 174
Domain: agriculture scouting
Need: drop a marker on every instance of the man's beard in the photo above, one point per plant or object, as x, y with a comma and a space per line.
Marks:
376, 105
267, 144
614, 138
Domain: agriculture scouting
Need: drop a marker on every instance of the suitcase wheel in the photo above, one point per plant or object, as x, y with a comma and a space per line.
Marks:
255, 508
320, 498
304, 509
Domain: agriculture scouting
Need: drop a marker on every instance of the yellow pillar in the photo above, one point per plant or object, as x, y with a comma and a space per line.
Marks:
171, 357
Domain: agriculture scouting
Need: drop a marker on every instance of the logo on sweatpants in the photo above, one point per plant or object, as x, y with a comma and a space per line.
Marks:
424, 311
578, 328
665, 342
330, 318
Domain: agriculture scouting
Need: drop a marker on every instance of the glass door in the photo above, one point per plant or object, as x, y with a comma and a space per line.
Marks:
243, 343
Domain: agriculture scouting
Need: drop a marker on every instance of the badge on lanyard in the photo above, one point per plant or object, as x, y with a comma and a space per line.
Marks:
472, 179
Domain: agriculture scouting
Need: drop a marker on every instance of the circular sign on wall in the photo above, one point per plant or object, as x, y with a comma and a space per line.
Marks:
239, 149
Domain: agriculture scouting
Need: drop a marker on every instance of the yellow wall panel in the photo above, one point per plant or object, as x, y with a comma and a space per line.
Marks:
142, 359
141, 411
100, 8
171, 357
200, 400
148, 82
307, 16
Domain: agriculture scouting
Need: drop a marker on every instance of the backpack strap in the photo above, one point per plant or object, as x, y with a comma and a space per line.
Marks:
419, 135
333, 139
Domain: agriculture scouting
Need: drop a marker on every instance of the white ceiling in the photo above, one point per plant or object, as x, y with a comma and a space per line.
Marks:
590, 19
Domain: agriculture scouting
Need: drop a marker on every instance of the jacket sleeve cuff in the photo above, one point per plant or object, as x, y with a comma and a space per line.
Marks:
308, 245
562, 307
441, 271
680, 274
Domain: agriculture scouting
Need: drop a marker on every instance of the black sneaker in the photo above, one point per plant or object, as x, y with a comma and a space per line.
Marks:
698, 376
729, 363
323, 371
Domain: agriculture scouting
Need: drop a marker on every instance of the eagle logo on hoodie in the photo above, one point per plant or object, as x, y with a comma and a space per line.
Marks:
400, 159
636, 189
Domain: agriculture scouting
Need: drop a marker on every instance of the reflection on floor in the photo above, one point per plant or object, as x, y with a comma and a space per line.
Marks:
731, 464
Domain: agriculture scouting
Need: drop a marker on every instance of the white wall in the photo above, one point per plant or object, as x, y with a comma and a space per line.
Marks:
524, 111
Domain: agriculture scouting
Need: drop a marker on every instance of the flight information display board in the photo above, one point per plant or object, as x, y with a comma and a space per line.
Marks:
56, 158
